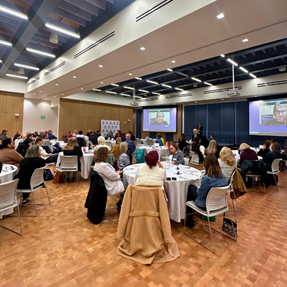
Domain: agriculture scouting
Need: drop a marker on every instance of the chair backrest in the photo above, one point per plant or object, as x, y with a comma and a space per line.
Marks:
231, 180
149, 142
8, 195
194, 157
69, 163
275, 167
216, 198
109, 144
37, 177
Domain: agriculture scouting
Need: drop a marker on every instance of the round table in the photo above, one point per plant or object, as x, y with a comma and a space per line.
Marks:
176, 190
7, 174
144, 141
161, 150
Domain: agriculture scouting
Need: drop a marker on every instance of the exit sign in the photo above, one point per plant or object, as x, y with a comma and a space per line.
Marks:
42, 117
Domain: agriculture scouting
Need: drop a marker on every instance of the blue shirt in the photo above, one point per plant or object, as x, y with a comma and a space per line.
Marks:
206, 184
51, 137
131, 145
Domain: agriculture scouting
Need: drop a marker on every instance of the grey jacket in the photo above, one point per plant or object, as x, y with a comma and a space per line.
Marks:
179, 157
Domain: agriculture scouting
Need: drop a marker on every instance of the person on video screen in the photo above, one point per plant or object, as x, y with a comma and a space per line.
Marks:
280, 113
160, 120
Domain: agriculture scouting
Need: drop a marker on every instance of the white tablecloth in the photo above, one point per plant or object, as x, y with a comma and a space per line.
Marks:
175, 190
143, 141
161, 150
6, 175
113, 142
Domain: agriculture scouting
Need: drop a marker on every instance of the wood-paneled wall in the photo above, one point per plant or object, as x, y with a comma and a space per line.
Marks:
11, 104
88, 115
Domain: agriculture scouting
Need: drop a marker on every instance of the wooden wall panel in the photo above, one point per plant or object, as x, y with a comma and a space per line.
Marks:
11, 104
88, 115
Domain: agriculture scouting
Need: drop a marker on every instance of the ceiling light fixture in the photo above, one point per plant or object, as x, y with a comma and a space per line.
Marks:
130, 74
102, 82
16, 76
97, 90
171, 70
125, 95
82, 88
208, 84
138, 78
222, 55
13, 12
167, 86
243, 69
40, 91
144, 91
252, 75
54, 96
130, 88
40, 52
195, 79
75, 77
6, 43
173, 61
156, 93
179, 89
0, 61
220, 16
57, 84
245, 40
110, 92
232, 62
54, 38
62, 30
152, 82
26, 66
101, 66
115, 85
142, 48
63, 94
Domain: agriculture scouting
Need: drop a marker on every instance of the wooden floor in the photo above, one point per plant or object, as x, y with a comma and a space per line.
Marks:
61, 247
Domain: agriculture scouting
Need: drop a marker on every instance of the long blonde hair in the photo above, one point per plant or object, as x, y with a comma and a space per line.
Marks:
72, 142
227, 156
212, 147
101, 140
118, 140
244, 146
123, 148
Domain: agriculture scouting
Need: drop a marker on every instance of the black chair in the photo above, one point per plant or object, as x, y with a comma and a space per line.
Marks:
22, 149
81, 142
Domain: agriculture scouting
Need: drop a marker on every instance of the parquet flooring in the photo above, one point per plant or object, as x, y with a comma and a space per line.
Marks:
61, 247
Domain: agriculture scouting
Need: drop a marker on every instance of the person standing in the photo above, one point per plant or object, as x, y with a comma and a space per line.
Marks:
200, 129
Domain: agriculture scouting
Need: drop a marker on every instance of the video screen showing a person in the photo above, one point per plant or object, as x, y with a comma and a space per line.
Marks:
159, 118
274, 114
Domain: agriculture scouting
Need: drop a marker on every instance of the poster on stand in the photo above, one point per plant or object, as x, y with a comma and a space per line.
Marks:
107, 125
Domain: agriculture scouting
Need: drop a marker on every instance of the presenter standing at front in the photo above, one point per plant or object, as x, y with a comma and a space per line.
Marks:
200, 130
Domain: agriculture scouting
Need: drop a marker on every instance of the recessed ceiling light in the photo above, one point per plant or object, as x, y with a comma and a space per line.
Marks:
111, 92
100, 66
115, 85
130, 74
40, 91
138, 78
26, 66
142, 48
75, 77
173, 61
33, 94
252, 75
167, 86
82, 88
54, 96
220, 16
144, 91
64, 31
16, 76
130, 88
152, 82
170, 70
102, 82
97, 90
222, 99
232, 62
40, 52
63, 94
13, 12
195, 79
245, 40
222, 55
57, 84
208, 84
243, 69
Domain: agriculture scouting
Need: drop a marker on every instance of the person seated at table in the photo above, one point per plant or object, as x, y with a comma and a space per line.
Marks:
3, 135
73, 148
8, 155
18, 136
212, 137
201, 147
213, 177
246, 153
265, 149
89, 133
28, 165
131, 144
124, 159
101, 143
195, 134
182, 142
110, 134
28, 140
123, 137
70, 134
115, 150
81, 139
51, 136
212, 149
47, 157
35, 134
227, 161
41, 133
204, 141
195, 147
47, 144
160, 140
274, 154
110, 176
151, 173
176, 156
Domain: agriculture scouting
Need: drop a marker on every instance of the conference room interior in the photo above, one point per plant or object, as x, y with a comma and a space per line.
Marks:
153, 68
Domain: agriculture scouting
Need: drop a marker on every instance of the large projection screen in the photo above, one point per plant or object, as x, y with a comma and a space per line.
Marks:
268, 117
160, 120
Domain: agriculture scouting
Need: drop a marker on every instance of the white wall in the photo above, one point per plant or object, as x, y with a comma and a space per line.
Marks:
13, 85
33, 110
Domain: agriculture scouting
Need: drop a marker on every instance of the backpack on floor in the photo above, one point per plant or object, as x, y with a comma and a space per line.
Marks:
140, 156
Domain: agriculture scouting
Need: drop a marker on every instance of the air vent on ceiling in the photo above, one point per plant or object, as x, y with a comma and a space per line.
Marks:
149, 99
55, 68
269, 84
178, 96
152, 10
95, 44
221, 90
33, 81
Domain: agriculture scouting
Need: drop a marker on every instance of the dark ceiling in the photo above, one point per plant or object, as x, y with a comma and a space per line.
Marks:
81, 16
264, 60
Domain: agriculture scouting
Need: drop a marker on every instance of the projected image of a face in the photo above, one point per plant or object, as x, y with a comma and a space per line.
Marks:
280, 113
159, 118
